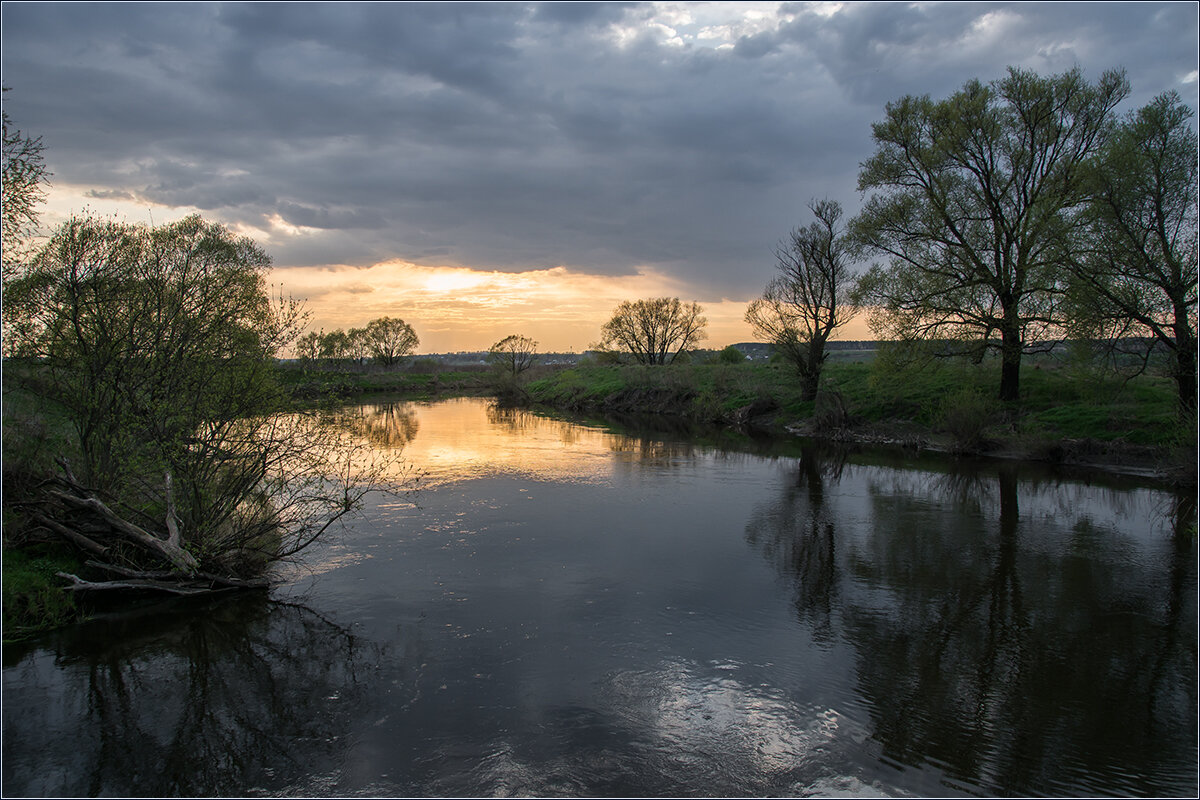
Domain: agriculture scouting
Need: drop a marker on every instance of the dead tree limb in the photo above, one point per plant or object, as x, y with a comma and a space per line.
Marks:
220, 580
80, 585
173, 553
72, 536
173, 536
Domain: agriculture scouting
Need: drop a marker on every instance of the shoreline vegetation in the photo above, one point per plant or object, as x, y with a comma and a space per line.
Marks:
1067, 415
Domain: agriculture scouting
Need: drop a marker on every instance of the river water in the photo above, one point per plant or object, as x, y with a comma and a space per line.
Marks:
566, 609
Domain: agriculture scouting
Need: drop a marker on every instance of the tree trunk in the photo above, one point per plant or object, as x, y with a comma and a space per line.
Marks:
1010, 360
808, 386
1185, 362
814, 358
1185, 380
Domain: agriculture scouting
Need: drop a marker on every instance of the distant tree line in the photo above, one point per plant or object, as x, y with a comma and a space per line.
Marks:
386, 341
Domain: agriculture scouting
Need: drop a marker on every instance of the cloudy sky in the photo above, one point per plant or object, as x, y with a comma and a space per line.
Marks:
485, 169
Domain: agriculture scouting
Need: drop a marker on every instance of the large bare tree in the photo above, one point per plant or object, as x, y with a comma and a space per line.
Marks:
654, 331
809, 299
971, 195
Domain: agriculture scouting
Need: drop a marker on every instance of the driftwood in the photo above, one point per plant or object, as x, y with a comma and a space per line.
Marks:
80, 585
206, 577
72, 536
77, 509
171, 551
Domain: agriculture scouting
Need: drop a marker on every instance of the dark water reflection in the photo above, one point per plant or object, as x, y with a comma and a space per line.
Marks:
183, 699
573, 609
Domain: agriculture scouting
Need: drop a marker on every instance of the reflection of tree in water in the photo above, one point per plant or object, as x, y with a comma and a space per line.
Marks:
513, 418
244, 694
1013, 657
385, 425
1012, 664
796, 534
653, 452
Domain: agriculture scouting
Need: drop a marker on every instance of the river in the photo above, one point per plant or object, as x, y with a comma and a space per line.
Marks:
564, 608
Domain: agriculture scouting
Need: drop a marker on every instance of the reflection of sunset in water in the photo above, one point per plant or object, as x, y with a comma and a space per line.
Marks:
473, 440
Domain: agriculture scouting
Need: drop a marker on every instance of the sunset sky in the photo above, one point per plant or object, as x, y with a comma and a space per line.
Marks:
486, 169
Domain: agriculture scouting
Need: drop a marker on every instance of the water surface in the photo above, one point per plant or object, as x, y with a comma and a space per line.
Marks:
568, 609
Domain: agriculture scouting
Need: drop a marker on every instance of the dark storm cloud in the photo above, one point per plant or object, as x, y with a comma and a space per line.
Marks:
509, 136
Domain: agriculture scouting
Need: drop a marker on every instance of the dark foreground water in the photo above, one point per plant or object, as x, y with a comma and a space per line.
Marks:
567, 610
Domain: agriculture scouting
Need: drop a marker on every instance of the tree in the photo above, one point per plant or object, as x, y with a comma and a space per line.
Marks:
335, 345
1134, 267
391, 340
730, 355
358, 345
512, 355
157, 345
24, 174
654, 331
973, 192
308, 347
808, 300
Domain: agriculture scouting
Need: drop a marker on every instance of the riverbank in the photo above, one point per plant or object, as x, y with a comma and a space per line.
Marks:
1065, 417
1062, 418
416, 380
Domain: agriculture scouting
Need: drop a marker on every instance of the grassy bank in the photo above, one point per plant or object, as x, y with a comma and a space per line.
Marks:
1063, 415
419, 380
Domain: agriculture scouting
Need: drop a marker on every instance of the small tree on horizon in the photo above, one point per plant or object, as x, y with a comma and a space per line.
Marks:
391, 340
654, 331
513, 354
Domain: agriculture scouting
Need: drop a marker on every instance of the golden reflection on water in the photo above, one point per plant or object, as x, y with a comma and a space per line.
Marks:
467, 438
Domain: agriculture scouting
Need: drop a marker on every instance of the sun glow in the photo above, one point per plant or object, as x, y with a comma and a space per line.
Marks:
458, 308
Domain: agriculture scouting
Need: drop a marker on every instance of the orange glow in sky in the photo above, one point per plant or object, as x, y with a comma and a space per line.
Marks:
458, 308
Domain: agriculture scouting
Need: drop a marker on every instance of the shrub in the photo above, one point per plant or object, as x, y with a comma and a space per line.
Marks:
965, 415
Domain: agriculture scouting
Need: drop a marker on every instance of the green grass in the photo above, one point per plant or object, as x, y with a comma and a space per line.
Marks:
417, 380
33, 597
1055, 402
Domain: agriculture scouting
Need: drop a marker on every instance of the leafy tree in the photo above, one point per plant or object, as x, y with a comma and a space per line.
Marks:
335, 345
809, 299
654, 331
1134, 268
730, 355
308, 347
358, 345
158, 345
25, 174
512, 355
972, 193
390, 340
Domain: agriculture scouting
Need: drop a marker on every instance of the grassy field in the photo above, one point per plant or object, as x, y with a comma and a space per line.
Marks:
949, 401
415, 379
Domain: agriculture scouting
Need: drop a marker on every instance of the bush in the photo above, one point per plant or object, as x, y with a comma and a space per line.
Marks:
966, 415
830, 411
730, 355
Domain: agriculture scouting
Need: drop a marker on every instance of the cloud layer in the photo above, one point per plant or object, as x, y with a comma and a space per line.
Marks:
609, 139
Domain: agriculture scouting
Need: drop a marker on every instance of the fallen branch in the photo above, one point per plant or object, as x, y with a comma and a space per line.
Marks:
173, 553
221, 580
80, 585
72, 536
173, 536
